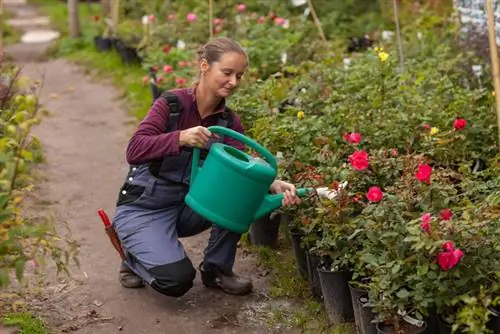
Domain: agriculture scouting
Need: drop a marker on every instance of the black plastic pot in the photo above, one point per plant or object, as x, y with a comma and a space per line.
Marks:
299, 252
365, 316
494, 322
265, 230
411, 329
103, 44
336, 295
313, 262
127, 53
356, 293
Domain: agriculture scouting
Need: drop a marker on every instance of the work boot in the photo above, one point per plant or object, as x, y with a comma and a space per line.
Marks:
129, 279
232, 284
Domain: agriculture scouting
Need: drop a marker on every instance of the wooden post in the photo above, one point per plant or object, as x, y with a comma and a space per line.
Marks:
494, 59
316, 20
210, 18
398, 34
1, 31
73, 19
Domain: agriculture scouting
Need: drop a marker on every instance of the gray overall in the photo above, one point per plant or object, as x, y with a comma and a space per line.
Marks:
151, 216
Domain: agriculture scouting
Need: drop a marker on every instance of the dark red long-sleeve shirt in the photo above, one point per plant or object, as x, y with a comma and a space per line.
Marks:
150, 142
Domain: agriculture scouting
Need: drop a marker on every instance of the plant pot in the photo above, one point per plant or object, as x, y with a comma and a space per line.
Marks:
127, 53
356, 293
265, 230
299, 252
445, 327
365, 316
494, 323
103, 44
336, 295
432, 322
313, 262
407, 328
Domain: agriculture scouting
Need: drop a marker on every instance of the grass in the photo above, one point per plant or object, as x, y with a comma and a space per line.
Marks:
25, 322
106, 64
286, 283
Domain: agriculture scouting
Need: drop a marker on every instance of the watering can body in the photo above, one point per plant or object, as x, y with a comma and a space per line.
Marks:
231, 190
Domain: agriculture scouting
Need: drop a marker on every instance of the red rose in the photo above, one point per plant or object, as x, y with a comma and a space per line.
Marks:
448, 246
166, 48
353, 137
449, 259
395, 152
374, 194
359, 160
425, 224
446, 214
424, 173
426, 126
459, 124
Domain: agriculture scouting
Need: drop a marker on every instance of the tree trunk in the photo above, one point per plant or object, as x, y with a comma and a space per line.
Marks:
106, 8
73, 19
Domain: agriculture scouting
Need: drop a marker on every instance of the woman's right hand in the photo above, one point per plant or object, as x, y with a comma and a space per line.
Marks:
197, 136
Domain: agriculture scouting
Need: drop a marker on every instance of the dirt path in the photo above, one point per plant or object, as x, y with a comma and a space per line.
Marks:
84, 143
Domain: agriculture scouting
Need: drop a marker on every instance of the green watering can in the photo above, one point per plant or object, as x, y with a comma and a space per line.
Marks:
231, 190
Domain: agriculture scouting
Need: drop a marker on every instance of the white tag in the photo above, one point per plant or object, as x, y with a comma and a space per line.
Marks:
347, 62
283, 57
181, 45
145, 20
387, 35
478, 70
286, 24
298, 3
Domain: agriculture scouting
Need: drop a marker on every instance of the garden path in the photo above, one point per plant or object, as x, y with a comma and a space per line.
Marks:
84, 140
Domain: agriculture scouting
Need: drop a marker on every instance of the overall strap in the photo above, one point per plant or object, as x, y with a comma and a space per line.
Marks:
174, 107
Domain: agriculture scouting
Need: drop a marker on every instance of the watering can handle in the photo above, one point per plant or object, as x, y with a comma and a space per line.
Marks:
238, 136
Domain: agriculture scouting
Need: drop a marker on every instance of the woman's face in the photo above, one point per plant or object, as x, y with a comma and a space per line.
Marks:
224, 76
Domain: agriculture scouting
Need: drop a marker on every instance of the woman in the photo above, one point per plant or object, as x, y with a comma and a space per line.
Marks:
151, 214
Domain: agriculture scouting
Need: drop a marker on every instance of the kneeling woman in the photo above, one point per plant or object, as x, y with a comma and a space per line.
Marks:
151, 214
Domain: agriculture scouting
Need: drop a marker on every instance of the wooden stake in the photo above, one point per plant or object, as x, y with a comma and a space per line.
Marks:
494, 59
316, 20
398, 33
210, 18
1, 30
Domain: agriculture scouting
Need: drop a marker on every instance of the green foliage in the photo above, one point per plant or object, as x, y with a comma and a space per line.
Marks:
26, 323
22, 240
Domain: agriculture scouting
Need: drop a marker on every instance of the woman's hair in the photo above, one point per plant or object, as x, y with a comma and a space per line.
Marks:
214, 49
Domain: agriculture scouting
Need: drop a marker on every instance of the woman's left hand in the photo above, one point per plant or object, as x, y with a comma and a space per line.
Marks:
289, 192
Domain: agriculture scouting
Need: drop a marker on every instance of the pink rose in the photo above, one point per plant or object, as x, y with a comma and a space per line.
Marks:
180, 81
446, 214
241, 7
359, 160
191, 17
424, 173
353, 137
168, 69
374, 194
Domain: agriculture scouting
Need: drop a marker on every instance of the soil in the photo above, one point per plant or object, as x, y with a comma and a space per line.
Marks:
84, 141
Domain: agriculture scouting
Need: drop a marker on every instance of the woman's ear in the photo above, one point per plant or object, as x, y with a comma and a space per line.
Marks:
204, 66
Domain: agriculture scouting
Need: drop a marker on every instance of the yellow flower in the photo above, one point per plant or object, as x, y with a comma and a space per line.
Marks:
493, 93
383, 56
300, 115
434, 130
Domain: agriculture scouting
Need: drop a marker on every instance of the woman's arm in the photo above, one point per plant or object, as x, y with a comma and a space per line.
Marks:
150, 142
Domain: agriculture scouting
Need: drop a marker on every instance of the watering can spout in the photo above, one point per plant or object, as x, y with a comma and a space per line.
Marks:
273, 202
